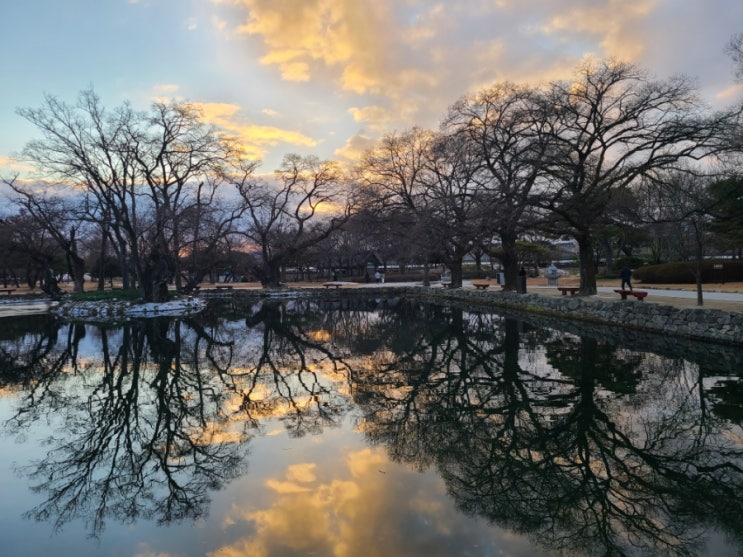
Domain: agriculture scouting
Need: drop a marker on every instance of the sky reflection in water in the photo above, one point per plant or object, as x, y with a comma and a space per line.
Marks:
364, 428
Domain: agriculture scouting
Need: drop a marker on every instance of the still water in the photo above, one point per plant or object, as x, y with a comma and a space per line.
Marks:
384, 427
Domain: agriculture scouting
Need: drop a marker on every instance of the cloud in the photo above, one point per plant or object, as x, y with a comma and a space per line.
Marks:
255, 139
374, 116
610, 24
397, 64
730, 94
355, 503
406, 61
355, 147
355, 509
10, 166
143, 550
165, 92
218, 23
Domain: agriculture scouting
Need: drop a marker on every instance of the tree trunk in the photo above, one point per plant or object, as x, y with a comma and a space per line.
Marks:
510, 260
609, 255
455, 265
102, 263
271, 273
699, 249
77, 264
587, 267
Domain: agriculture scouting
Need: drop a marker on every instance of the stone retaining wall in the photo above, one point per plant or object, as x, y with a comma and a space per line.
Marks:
698, 324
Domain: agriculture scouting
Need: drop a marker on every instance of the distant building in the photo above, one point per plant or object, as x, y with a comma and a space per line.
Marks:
565, 248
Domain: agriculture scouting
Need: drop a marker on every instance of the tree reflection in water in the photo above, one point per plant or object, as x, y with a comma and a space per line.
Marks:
582, 444
546, 442
160, 416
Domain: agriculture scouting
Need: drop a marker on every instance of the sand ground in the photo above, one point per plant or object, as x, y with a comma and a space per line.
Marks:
534, 285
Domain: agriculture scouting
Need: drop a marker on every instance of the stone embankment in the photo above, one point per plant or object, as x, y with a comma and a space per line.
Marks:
698, 323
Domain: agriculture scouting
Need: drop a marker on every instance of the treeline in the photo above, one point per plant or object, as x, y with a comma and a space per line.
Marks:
613, 158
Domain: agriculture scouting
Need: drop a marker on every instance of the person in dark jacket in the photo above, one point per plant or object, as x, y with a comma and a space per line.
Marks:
626, 274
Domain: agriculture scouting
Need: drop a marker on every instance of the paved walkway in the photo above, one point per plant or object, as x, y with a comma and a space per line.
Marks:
727, 297
713, 299
714, 296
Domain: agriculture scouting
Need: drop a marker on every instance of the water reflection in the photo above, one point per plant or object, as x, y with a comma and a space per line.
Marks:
576, 442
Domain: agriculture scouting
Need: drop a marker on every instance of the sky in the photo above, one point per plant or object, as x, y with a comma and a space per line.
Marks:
329, 77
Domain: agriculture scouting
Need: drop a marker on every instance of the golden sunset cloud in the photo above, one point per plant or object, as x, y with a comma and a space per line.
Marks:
612, 22
255, 139
331, 515
301, 37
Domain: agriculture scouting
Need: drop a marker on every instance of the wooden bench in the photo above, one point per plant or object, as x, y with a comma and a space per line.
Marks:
331, 284
572, 289
8, 291
481, 285
639, 294
224, 287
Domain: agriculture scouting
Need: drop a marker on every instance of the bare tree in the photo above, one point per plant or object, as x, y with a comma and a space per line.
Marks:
142, 169
610, 126
60, 217
393, 193
26, 250
682, 202
459, 210
284, 217
735, 50
502, 123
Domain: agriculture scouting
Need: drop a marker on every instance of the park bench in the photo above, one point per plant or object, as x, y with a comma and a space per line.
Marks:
481, 285
572, 289
639, 294
224, 287
8, 291
332, 284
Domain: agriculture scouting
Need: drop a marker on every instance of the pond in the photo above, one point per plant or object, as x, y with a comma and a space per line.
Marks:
365, 427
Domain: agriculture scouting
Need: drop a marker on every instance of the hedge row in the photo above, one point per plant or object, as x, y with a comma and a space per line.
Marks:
398, 277
683, 273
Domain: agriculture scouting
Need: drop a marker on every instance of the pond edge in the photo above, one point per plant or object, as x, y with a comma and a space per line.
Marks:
709, 325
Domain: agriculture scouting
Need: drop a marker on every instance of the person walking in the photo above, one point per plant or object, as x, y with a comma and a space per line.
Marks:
626, 275
521, 287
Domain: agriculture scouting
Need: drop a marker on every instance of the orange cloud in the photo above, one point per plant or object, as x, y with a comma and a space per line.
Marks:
730, 93
356, 512
10, 166
355, 146
302, 37
612, 21
255, 139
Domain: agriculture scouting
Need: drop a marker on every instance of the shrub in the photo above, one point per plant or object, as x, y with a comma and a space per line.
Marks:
399, 277
683, 272
101, 295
